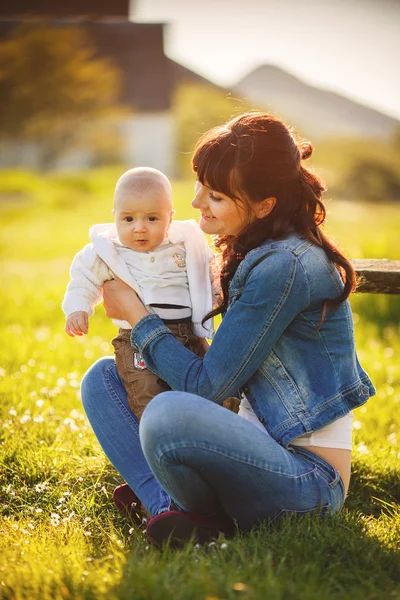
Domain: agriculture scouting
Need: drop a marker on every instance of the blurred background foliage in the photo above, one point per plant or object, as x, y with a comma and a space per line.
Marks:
54, 90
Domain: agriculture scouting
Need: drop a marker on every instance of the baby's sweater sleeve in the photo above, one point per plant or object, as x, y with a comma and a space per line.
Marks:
84, 291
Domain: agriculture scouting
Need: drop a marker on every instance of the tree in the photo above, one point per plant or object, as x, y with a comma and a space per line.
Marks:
51, 84
197, 107
373, 181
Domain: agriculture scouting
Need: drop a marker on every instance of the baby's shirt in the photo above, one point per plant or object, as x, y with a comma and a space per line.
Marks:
161, 276
179, 272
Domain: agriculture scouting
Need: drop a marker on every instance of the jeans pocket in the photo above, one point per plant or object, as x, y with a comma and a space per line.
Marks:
329, 474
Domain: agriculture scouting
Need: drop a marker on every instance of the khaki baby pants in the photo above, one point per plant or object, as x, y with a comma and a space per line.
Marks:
140, 383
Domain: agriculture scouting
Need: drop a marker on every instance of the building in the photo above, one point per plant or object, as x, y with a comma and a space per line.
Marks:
149, 77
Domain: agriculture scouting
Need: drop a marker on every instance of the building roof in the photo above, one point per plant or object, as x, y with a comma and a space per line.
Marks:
92, 9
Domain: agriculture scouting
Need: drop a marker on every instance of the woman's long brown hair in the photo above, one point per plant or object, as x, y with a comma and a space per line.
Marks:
255, 156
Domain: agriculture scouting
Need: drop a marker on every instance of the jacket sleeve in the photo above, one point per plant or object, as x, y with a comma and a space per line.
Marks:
273, 294
84, 291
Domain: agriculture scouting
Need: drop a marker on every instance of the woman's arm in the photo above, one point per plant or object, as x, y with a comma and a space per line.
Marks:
275, 291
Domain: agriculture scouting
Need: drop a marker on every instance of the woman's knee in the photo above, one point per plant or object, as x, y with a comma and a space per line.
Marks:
166, 415
93, 380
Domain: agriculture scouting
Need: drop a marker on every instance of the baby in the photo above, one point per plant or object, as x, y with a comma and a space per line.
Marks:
168, 263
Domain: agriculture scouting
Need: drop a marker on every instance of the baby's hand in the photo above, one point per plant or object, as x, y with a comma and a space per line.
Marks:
77, 323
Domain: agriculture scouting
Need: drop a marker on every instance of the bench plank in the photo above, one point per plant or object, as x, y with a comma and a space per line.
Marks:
377, 276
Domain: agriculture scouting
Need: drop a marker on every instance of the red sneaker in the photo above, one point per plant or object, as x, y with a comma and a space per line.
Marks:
128, 503
179, 527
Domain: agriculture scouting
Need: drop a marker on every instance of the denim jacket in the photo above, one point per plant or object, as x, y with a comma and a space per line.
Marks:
297, 378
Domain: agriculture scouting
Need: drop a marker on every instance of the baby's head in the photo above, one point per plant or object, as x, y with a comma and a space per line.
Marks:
143, 208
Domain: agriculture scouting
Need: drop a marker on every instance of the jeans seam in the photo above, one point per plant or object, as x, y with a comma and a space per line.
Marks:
238, 459
116, 398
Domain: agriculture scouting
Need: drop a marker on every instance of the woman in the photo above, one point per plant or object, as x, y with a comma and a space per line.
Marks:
286, 345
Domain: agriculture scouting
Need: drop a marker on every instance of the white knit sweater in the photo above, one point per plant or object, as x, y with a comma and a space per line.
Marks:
100, 261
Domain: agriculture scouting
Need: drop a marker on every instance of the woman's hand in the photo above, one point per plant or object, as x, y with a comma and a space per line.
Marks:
121, 302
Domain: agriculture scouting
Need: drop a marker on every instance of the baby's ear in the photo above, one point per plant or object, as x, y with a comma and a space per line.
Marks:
113, 211
171, 216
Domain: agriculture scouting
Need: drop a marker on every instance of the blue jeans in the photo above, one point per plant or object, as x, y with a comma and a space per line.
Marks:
206, 458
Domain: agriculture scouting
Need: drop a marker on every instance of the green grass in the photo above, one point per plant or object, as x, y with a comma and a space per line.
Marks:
60, 536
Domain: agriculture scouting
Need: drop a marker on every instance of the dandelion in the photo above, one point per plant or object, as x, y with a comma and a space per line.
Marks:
75, 414
87, 520
31, 362
362, 449
239, 587
39, 419
39, 403
73, 375
38, 510
41, 334
61, 382
41, 487
40, 375
12, 412
71, 424
87, 533
224, 546
24, 419
55, 519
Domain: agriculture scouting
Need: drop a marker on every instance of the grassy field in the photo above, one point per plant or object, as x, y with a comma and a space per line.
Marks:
60, 534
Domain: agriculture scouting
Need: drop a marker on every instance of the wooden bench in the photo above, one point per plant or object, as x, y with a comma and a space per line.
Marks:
377, 276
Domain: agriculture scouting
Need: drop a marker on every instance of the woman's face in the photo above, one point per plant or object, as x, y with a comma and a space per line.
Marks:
220, 215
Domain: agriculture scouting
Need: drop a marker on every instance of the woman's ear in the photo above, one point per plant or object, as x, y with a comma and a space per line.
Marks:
264, 207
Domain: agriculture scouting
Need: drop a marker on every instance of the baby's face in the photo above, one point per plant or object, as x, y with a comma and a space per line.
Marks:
142, 218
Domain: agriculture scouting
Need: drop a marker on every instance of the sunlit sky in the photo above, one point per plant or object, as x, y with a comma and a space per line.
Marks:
348, 46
